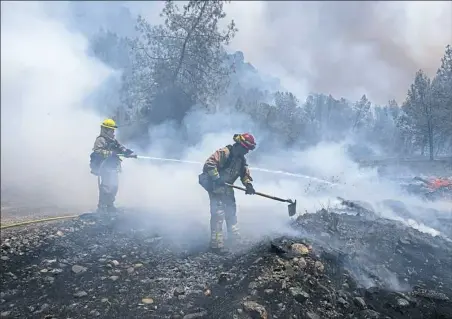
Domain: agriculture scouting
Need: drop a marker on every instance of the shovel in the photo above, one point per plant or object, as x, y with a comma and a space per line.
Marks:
292, 204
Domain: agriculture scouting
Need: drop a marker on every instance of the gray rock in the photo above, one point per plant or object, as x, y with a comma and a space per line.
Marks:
224, 277
298, 294
359, 302
49, 279
201, 314
369, 314
178, 291
312, 315
252, 285
80, 294
94, 313
342, 302
255, 310
302, 263
77, 269
319, 266
402, 302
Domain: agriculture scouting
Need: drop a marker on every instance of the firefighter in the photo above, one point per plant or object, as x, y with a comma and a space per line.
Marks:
225, 166
106, 164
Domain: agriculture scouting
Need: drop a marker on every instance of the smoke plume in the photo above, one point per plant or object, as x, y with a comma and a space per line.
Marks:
345, 48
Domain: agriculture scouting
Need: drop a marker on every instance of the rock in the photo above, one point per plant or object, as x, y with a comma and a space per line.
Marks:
138, 265
147, 300
56, 271
130, 270
59, 233
319, 266
431, 294
201, 314
252, 285
80, 294
300, 249
4, 258
77, 269
178, 291
269, 291
369, 314
301, 262
255, 310
402, 303
342, 302
94, 313
114, 278
312, 315
359, 302
5, 313
115, 263
224, 277
298, 294
49, 279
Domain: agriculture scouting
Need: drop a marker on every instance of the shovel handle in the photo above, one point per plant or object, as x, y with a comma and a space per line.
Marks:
261, 194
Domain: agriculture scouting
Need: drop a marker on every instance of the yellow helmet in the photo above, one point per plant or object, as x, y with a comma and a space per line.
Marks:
109, 123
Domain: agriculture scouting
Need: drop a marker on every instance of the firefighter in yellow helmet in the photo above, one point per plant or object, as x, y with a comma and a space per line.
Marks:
225, 166
106, 164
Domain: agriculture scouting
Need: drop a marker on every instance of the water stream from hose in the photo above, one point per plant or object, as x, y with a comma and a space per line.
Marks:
253, 168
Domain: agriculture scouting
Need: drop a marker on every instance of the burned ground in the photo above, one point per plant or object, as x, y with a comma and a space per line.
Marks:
340, 266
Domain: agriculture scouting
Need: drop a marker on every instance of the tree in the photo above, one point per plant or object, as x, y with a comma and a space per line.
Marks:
362, 113
442, 100
183, 60
419, 107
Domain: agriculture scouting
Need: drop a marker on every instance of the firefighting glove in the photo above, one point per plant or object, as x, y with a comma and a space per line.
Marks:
129, 154
250, 189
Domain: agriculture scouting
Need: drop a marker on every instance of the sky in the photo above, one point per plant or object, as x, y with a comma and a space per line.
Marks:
343, 48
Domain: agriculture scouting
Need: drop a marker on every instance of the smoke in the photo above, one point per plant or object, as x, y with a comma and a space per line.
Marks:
344, 48
46, 134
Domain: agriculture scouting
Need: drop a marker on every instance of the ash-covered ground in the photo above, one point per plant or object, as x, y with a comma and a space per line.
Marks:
121, 266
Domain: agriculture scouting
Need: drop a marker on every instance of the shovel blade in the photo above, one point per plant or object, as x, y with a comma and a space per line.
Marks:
292, 208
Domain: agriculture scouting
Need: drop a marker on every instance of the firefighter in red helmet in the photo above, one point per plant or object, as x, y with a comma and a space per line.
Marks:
225, 166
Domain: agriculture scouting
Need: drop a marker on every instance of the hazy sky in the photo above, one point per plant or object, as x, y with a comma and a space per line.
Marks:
344, 48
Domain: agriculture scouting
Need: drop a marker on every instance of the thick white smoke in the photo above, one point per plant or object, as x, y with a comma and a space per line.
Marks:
46, 133
345, 48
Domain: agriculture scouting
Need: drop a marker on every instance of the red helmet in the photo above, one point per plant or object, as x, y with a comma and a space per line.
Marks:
246, 140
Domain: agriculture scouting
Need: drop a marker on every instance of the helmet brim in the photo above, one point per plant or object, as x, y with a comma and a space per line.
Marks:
111, 127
